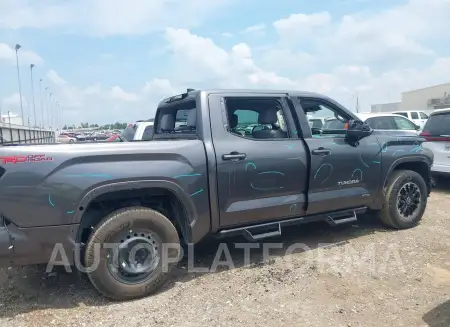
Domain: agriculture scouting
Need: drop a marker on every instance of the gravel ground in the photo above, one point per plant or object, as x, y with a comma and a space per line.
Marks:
371, 276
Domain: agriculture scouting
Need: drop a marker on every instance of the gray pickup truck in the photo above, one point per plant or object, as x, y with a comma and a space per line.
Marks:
243, 162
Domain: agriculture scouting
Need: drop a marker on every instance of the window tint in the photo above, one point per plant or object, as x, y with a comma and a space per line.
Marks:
256, 118
316, 110
403, 123
402, 114
148, 133
317, 123
334, 124
381, 123
423, 115
438, 124
414, 115
128, 132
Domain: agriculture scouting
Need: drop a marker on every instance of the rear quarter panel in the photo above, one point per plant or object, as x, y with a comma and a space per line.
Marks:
49, 192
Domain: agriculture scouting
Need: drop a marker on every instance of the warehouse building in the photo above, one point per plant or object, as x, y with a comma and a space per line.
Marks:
426, 99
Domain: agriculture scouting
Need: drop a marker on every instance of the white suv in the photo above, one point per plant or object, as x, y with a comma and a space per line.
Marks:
436, 133
417, 117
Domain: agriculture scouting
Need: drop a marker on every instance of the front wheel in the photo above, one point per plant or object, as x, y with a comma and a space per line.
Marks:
125, 254
405, 200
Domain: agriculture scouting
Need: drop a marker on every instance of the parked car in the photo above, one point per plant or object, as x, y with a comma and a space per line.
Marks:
128, 218
142, 130
436, 133
389, 123
417, 117
64, 138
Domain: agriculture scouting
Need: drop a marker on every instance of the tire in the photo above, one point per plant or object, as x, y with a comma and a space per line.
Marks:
114, 227
389, 213
71, 141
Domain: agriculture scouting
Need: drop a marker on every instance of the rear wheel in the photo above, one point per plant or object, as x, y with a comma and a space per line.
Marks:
126, 253
405, 200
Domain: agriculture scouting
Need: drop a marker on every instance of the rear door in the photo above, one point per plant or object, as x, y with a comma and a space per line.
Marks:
262, 166
437, 135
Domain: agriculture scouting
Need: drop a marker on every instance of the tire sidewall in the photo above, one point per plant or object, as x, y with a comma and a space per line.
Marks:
398, 182
102, 278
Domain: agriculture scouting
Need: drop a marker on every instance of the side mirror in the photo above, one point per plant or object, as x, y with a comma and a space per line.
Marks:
417, 127
357, 130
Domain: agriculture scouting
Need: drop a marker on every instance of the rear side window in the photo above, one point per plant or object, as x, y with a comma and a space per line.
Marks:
438, 124
403, 123
405, 114
381, 123
414, 115
128, 132
148, 133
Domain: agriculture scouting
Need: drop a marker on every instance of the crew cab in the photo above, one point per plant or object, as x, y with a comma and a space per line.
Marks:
125, 209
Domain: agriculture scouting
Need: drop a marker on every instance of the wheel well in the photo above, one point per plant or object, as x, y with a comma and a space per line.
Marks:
161, 200
419, 167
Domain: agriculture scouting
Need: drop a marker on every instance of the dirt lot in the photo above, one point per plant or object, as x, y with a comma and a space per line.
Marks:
370, 277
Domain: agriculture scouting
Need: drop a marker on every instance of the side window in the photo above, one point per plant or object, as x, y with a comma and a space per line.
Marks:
423, 115
324, 119
405, 114
381, 123
414, 115
403, 123
256, 118
148, 133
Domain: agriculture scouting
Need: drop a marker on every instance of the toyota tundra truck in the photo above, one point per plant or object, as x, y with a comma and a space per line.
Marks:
220, 163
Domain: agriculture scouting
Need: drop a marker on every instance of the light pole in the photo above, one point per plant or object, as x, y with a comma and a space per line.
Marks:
47, 104
32, 93
50, 110
42, 105
18, 46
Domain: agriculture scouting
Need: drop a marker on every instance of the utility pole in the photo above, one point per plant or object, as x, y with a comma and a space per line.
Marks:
32, 93
42, 105
18, 46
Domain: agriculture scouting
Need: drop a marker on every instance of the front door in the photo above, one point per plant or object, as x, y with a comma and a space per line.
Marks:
261, 164
342, 175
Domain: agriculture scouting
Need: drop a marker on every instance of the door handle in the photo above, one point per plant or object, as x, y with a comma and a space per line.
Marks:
321, 151
234, 156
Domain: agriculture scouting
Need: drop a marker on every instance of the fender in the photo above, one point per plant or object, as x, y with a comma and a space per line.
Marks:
394, 165
140, 184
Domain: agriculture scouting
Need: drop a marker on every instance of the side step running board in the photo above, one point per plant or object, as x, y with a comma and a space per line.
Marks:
261, 231
333, 221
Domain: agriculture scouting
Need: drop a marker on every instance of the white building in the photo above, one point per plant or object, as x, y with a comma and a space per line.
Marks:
11, 119
426, 99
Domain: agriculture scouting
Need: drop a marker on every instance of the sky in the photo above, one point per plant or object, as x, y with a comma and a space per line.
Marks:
109, 60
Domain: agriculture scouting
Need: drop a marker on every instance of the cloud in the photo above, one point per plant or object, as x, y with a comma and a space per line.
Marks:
26, 57
55, 78
94, 17
259, 30
226, 34
376, 54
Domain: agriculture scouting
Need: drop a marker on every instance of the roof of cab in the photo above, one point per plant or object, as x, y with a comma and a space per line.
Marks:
193, 93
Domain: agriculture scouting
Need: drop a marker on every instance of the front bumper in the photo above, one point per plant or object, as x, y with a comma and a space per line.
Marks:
29, 246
